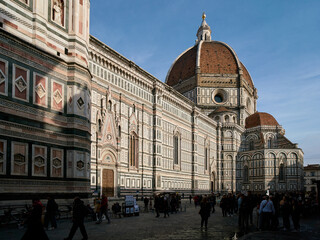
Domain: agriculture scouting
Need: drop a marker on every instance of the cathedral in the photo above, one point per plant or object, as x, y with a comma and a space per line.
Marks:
77, 117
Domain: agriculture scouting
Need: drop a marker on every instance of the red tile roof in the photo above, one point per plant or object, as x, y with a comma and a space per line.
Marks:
215, 58
259, 119
221, 109
184, 67
246, 75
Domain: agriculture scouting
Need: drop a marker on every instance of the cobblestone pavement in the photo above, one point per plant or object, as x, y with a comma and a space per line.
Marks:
183, 225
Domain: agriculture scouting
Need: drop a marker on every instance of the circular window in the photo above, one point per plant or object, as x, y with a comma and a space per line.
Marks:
218, 98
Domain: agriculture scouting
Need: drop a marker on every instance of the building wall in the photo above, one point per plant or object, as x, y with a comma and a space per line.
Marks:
74, 111
264, 161
156, 113
311, 172
45, 101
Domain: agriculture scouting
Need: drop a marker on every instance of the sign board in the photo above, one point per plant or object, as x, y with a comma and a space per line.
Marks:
130, 200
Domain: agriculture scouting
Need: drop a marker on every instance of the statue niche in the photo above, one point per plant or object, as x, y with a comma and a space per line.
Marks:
58, 12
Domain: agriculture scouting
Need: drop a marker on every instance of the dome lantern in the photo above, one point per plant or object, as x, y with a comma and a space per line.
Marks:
204, 31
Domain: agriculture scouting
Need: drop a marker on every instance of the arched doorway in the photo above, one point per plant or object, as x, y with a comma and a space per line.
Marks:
108, 172
213, 182
108, 182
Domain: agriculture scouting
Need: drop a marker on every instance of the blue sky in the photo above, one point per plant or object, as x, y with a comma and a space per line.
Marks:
277, 41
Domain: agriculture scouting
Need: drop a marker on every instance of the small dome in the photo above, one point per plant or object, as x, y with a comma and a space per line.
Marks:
259, 119
218, 111
221, 109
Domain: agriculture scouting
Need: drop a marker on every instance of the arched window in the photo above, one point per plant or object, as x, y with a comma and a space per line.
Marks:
251, 145
294, 165
93, 181
134, 108
109, 105
119, 131
176, 149
273, 162
133, 150
206, 159
100, 125
248, 104
226, 118
269, 142
245, 174
281, 172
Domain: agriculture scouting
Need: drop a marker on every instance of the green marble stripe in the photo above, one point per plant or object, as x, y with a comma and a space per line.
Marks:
43, 126
44, 195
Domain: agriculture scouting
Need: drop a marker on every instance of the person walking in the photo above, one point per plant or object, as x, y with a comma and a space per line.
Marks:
103, 209
266, 211
173, 204
212, 202
79, 212
166, 206
50, 216
244, 211
205, 209
146, 204
35, 229
274, 218
296, 211
286, 211
252, 204
223, 205
97, 205
157, 205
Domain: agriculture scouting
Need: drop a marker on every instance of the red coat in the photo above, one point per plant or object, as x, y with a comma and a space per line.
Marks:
104, 202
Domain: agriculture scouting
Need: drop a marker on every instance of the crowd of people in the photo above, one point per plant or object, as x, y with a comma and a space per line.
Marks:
166, 203
267, 209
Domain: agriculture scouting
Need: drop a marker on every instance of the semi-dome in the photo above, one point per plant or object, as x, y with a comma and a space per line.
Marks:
209, 61
260, 119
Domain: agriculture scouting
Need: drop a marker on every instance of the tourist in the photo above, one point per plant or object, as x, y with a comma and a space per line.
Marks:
296, 211
204, 212
103, 209
35, 229
252, 204
173, 204
223, 205
50, 216
165, 204
266, 210
146, 204
274, 217
286, 211
157, 205
244, 210
79, 212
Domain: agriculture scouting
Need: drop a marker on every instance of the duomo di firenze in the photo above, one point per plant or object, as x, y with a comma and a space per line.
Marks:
76, 116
